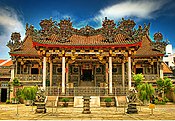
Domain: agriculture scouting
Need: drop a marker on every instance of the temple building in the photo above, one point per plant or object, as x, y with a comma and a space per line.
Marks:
59, 56
5, 76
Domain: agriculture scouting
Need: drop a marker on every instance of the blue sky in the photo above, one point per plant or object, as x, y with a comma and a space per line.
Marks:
14, 14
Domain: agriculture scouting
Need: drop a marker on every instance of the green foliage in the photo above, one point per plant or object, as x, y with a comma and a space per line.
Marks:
7, 101
19, 93
138, 78
164, 85
108, 99
145, 91
16, 82
29, 93
159, 102
65, 99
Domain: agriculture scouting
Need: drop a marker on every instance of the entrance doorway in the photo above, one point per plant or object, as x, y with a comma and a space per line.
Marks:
139, 70
87, 74
34, 71
3, 94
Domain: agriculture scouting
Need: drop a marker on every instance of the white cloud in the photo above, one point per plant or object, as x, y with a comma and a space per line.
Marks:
143, 9
9, 22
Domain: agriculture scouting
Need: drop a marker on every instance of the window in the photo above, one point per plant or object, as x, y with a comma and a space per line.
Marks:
167, 63
139, 70
114, 70
59, 70
34, 71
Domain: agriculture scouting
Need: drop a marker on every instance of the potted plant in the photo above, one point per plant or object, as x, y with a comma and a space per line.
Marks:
7, 101
108, 101
14, 100
16, 82
29, 95
65, 100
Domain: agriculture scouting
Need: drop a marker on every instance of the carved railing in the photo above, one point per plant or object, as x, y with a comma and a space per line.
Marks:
86, 91
150, 77
29, 77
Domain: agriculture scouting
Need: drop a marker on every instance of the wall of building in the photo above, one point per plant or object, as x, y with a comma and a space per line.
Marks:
169, 56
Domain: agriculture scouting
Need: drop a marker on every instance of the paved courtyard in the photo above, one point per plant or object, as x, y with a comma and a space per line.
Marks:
9, 112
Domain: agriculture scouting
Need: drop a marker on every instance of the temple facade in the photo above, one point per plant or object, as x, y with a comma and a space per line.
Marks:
59, 56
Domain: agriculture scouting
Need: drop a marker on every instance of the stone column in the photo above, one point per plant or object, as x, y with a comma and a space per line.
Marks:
158, 69
16, 67
129, 72
51, 69
63, 75
123, 74
67, 73
44, 72
12, 73
107, 73
161, 70
110, 75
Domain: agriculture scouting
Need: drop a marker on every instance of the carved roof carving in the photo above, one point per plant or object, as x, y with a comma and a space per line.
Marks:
14, 43
63, 31
159, 44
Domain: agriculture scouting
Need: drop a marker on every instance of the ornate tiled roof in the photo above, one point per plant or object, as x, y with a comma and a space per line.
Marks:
26, 48
79, 40
6, 62
166, 69
146, 49
61, 34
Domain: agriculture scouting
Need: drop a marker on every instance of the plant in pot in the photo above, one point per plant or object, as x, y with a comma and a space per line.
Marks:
14, 100
7, 101
29, 95
108, 101
16, 82
65, 100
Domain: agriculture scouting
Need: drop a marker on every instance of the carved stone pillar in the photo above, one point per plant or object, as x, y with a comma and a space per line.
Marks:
12, 73
44, 72
161, 70
129, 72
51, 70
67, 72
63, 75
123, 74
158, 72
110, 75
107, 73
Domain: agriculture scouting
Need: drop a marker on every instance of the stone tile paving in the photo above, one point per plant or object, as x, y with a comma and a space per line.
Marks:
9, 112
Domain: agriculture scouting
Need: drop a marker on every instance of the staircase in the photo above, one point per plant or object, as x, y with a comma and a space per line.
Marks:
51, 101
87, 84
121, 100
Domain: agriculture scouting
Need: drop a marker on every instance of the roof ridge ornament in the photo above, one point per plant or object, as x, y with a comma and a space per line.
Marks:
14, 43
108, 30
65, 30
87, 31
159, 44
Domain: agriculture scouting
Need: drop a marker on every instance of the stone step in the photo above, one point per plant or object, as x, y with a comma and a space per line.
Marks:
121, 100
52, 101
